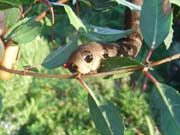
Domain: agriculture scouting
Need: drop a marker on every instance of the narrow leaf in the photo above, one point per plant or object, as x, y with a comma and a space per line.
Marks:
166, 108
74, 20
60, 56
106, 117
101, 34
154, 22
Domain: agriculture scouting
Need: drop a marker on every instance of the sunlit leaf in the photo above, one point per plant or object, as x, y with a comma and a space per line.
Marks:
101, 34
106, 117
169, 37
60, 56
177, 2
10, 16
155, 24
166, 108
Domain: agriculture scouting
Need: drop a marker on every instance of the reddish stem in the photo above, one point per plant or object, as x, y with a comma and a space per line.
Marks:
148, 74
149, 54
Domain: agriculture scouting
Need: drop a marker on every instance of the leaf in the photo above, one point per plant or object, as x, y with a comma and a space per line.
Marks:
101, 34
74, 20
102, 5
154, 24
25, 32
150, 125
11, 2
10, 16
0, 104
60, 56
106, 117
166, 108
177, 2
169, 37
16, 2
116, 63
128, 4
106, 4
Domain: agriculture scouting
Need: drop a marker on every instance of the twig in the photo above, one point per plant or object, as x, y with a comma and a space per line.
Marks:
150, 77
149, 54
86, 87
138, 132
121, 71
168, 59
28, 73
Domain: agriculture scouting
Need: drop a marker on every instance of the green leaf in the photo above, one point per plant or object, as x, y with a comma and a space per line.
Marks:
16, 3
106, 4
60, 56
166, 108
128, 4
154, 24
106, 117
28, 1
101, 34
150, 125
116, 63
10, 16
102, 5
74, 20
0, 104
169, 37
25, 32
11, 2
177, 2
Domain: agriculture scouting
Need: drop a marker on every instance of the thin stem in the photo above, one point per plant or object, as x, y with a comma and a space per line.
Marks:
121, 71
168, 59
28, 73
148, 74
86, 87
149, 54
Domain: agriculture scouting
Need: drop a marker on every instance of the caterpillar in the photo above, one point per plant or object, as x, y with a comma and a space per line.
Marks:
87, 57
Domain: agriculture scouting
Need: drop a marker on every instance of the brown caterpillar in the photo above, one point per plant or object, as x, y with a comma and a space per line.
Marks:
87, 57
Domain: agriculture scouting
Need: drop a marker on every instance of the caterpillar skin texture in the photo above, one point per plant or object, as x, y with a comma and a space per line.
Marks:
87, 57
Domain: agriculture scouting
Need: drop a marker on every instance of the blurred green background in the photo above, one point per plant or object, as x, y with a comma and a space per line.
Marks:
41, 106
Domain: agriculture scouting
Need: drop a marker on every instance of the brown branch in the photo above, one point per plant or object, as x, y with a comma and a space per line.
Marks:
86, 87
121, 71
29, 73
168, 59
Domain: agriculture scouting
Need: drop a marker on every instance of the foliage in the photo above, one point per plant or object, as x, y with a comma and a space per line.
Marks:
50, 106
